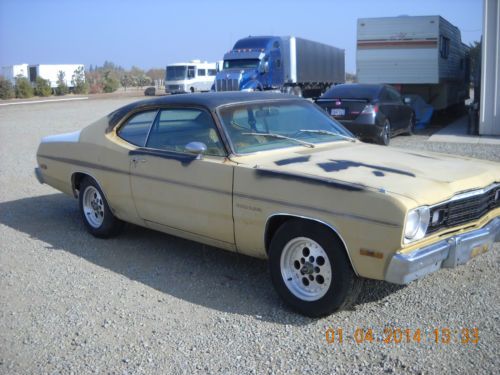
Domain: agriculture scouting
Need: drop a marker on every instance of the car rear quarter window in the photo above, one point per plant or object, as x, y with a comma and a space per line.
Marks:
175, 128
391, 96
136, 129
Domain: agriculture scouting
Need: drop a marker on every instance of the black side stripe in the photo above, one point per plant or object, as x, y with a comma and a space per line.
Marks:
303, 207
217, 191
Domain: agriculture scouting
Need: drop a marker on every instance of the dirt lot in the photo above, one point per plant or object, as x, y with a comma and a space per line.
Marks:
149, 303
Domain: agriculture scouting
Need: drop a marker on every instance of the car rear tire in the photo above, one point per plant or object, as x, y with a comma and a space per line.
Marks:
385, 135
96, 214
310, 269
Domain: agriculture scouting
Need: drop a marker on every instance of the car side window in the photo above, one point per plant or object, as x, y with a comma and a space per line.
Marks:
384, 96
136, 129
390, 96
175, 128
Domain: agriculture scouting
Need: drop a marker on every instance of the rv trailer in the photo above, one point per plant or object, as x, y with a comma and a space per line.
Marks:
420, 55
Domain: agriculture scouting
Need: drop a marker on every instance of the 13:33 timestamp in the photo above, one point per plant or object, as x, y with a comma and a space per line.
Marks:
392, 335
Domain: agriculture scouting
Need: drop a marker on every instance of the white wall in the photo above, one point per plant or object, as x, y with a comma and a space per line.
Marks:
406, 65
489, 115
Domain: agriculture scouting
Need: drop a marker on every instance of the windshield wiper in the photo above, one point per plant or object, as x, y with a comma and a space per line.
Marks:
279, 136
327, 133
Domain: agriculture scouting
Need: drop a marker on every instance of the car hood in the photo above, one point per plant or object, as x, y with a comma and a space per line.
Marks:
425, 177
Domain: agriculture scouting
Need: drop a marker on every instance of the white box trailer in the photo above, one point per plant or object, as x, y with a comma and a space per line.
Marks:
51, 72
10, 72
422, 55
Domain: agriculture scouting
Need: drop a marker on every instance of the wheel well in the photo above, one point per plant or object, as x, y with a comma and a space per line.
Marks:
76, 180
276, 221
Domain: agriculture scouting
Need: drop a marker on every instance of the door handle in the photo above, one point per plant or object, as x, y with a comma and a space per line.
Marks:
135, 161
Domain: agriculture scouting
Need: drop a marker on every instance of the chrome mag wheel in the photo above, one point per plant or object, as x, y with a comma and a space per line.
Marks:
306, 269
93, 206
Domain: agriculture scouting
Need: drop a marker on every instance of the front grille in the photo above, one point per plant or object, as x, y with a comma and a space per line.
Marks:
174, 87
228, 84
460, 211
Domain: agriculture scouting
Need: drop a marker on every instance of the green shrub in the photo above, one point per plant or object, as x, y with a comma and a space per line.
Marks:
110, 84
78, 81
62, 87
23, 87
42, 87
6, 89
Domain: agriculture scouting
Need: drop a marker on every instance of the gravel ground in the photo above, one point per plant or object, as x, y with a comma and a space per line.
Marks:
149, 303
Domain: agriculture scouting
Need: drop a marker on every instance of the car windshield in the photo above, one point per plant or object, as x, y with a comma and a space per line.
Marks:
241, 64
175, 73
254, 127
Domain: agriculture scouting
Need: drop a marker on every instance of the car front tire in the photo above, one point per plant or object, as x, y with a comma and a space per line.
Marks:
95, 211
310, 269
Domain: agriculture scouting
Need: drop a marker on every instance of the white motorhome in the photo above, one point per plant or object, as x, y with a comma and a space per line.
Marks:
46, 71
422, 55
193, 76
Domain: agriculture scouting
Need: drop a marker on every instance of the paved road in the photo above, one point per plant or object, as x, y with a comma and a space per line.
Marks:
149, 303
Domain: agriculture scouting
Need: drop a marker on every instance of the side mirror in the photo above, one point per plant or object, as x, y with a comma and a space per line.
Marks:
196, 148
264, 66
407, 100
261, 68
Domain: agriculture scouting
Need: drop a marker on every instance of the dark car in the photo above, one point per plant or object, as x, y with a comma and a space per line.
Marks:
150, 91
371, 112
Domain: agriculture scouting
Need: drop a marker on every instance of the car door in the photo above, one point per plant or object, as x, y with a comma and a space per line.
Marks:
399, 112
180, 190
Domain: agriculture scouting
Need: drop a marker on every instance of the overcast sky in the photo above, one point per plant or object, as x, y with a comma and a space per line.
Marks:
151, 33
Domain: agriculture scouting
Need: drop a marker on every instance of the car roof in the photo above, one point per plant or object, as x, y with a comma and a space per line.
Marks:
347, 89
210, 100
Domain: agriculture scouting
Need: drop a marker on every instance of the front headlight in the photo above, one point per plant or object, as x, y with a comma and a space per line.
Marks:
417, 221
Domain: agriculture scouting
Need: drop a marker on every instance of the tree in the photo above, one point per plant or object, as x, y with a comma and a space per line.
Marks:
42, 87
62, 87
143, 80
126, 81
475, 60
157, 75
110, 83
78, 81
23, 87
6, 89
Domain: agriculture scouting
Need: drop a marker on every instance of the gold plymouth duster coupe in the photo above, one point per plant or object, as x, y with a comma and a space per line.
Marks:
273, 176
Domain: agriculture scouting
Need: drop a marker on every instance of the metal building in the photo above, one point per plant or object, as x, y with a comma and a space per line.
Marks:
489, 115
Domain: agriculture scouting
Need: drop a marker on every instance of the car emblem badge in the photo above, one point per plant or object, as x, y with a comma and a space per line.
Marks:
338, 102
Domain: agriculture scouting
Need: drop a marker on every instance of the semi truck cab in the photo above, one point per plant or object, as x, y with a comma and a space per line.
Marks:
251, 66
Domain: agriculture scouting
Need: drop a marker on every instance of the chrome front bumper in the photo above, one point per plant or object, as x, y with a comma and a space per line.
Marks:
448, 253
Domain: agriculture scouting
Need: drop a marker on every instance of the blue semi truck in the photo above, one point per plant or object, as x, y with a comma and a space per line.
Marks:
287, 64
